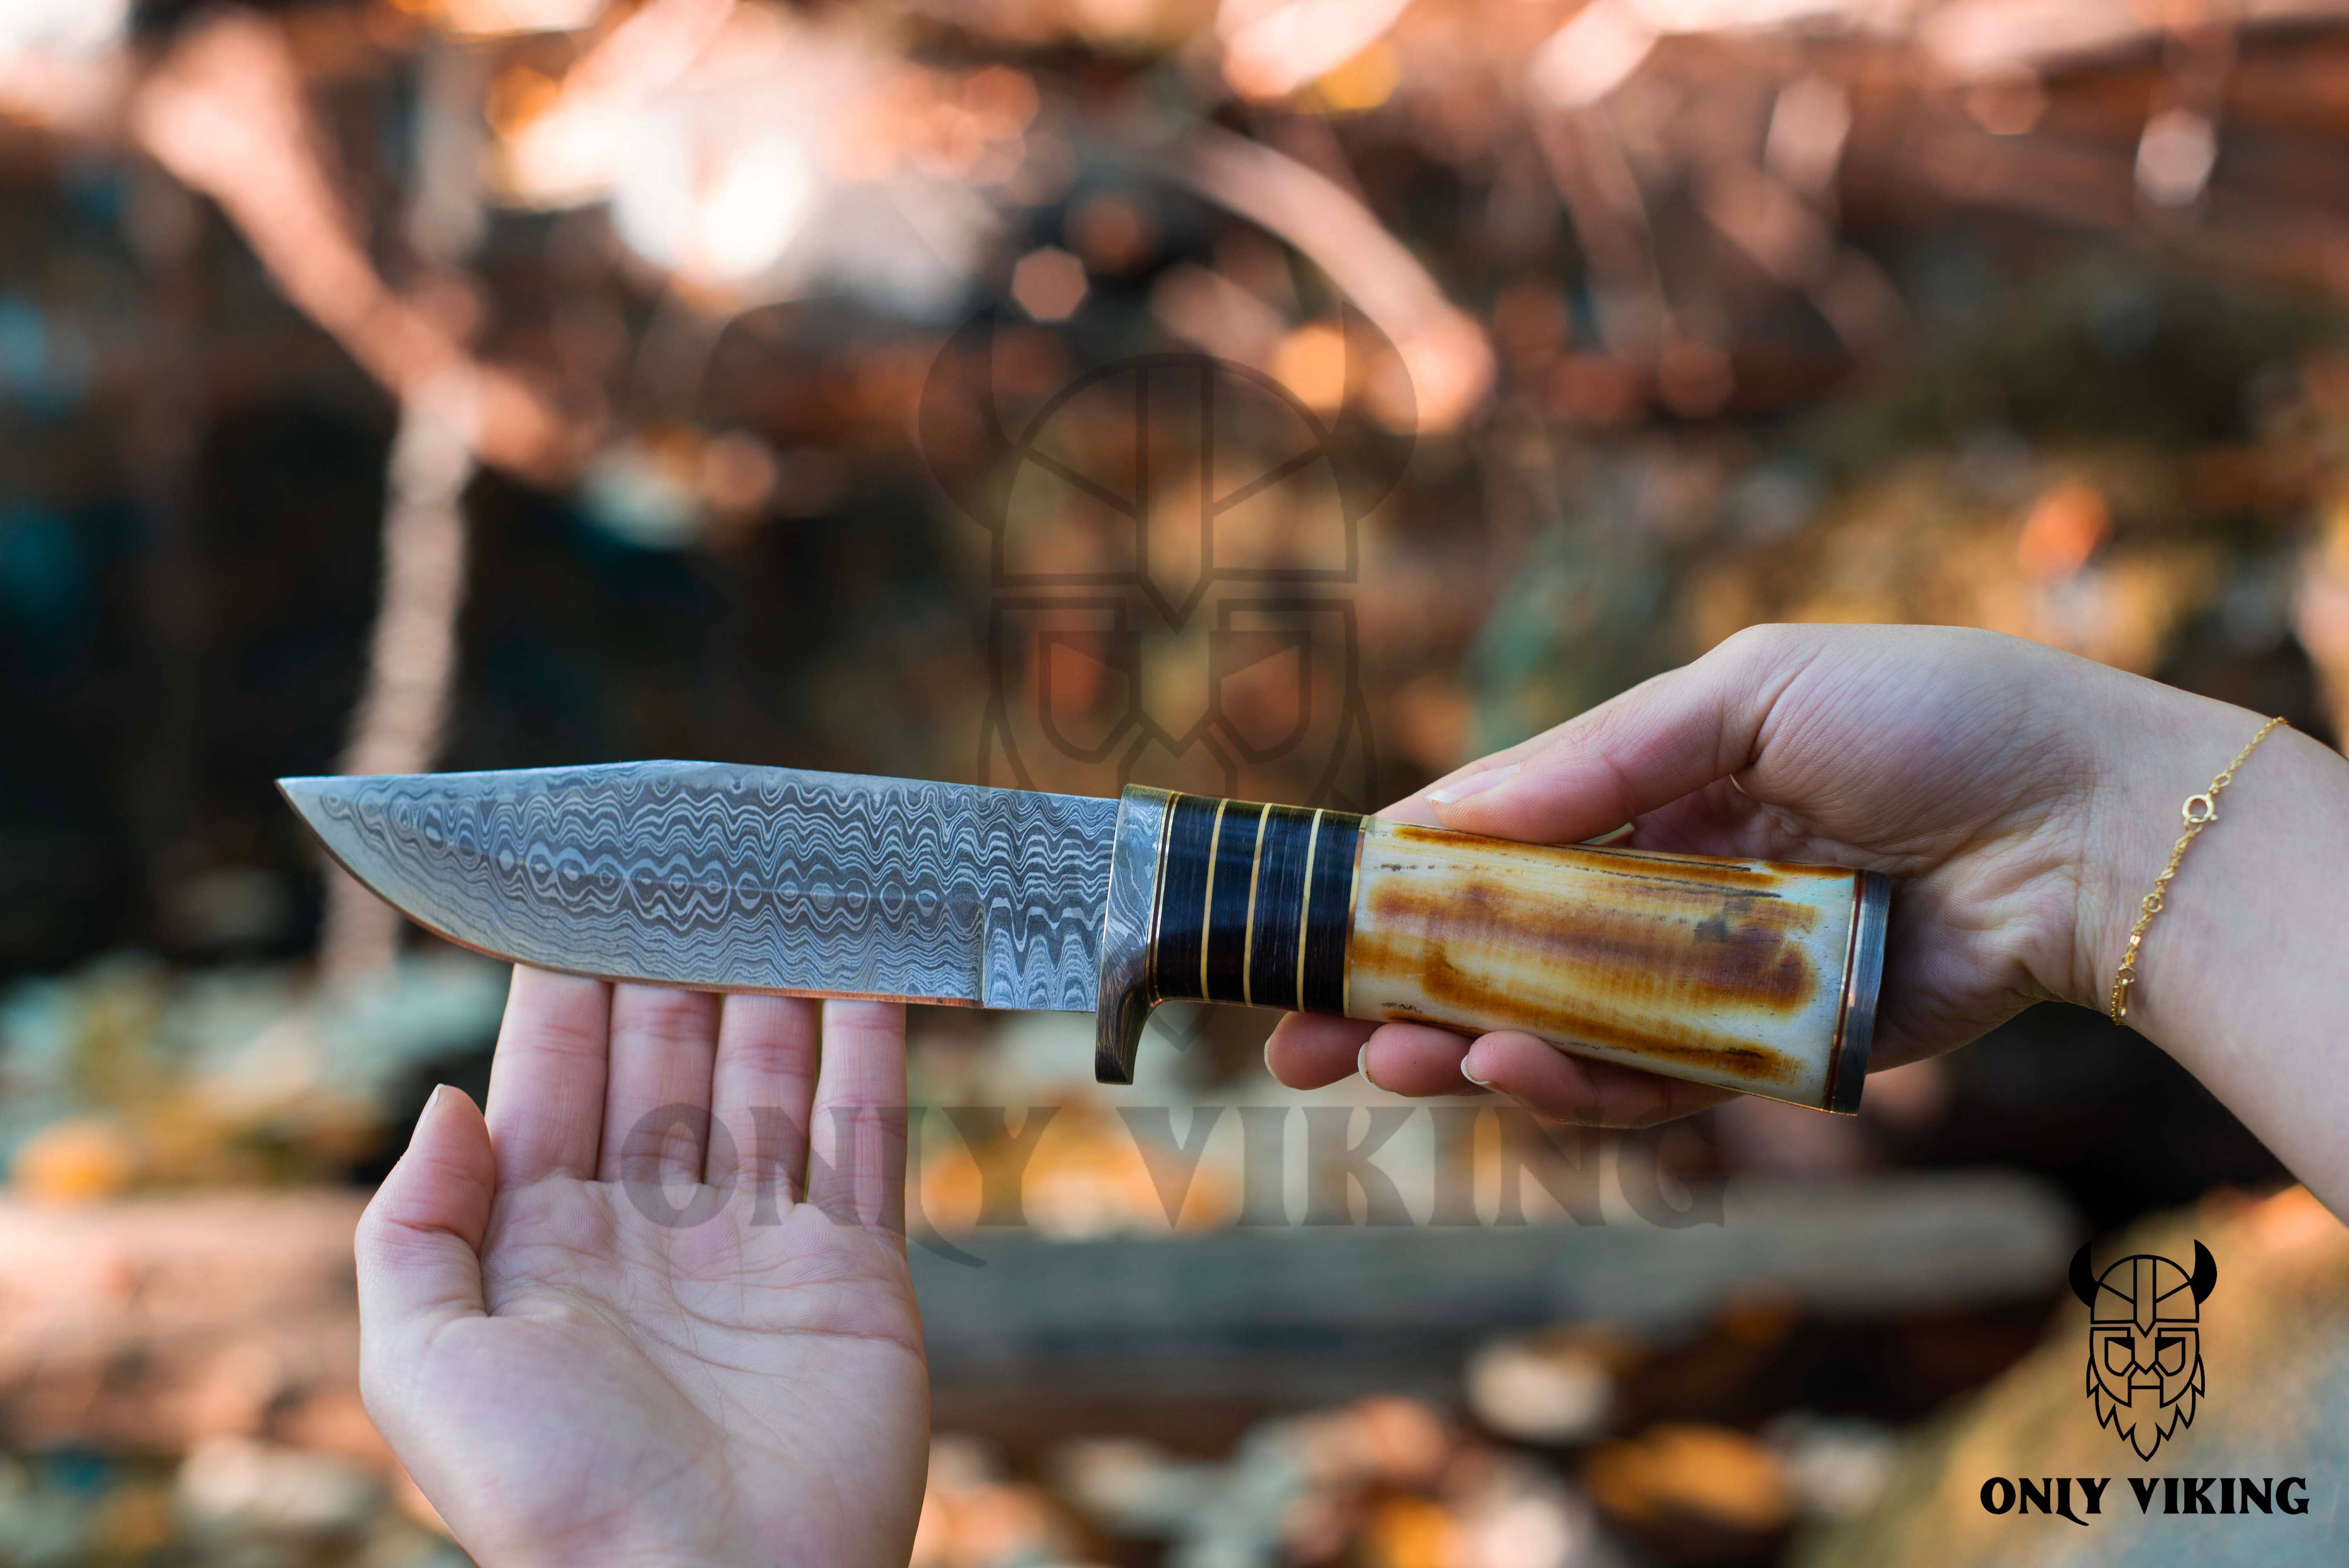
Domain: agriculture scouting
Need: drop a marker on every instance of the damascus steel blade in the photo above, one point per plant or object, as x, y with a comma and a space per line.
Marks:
725, 878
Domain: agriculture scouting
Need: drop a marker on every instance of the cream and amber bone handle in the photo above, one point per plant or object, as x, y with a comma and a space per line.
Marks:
1751, 974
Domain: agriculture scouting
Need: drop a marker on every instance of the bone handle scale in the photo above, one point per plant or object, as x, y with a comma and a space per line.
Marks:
1753, 975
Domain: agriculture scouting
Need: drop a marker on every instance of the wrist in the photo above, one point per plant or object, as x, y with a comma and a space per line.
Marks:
2159, 747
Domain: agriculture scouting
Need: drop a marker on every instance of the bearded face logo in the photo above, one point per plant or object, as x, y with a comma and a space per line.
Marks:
2144, 1342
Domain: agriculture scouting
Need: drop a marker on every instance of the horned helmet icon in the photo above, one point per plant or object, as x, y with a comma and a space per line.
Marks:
2144, 1342
1173, 542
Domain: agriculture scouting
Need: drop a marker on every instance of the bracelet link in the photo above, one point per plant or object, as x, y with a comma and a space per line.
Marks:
2198, 812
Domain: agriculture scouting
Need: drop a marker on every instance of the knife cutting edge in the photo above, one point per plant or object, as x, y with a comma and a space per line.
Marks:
1760, 976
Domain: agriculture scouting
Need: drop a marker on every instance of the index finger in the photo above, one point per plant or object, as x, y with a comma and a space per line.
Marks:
545, 1108
1665, 738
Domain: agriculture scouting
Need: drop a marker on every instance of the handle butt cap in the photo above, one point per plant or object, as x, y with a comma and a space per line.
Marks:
1863, 984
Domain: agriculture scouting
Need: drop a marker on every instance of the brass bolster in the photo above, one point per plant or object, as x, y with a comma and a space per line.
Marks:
1122, 1007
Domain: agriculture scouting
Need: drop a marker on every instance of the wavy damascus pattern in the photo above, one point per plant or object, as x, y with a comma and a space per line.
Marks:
705, 874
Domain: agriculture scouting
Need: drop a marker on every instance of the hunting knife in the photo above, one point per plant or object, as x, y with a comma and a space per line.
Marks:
1752, 975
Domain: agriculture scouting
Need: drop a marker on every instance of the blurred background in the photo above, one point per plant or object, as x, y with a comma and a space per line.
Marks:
389, 385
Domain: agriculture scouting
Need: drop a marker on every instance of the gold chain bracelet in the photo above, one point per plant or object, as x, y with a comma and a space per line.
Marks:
2200, 811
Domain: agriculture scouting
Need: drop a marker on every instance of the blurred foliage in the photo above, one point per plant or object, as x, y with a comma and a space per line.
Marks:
125, 1074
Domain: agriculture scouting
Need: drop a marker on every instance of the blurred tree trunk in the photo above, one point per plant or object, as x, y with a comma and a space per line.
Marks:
403, 710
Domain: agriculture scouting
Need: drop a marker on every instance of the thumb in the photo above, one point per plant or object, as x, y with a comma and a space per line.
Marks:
1646, 748
419, 1241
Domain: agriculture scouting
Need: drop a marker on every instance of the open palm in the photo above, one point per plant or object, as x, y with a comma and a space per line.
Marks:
655, 1307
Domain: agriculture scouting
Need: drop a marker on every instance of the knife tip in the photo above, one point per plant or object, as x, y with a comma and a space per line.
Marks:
306, 795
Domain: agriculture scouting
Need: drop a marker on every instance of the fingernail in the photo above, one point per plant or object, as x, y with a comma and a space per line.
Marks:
1475, 783
1469, 1073
1362, 1065
432, 1102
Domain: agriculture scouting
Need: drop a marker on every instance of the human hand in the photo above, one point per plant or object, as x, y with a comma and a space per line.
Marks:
1976, 769
576, 1372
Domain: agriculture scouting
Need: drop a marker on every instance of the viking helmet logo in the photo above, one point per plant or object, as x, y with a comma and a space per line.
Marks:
2144, 1342
1173, 544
